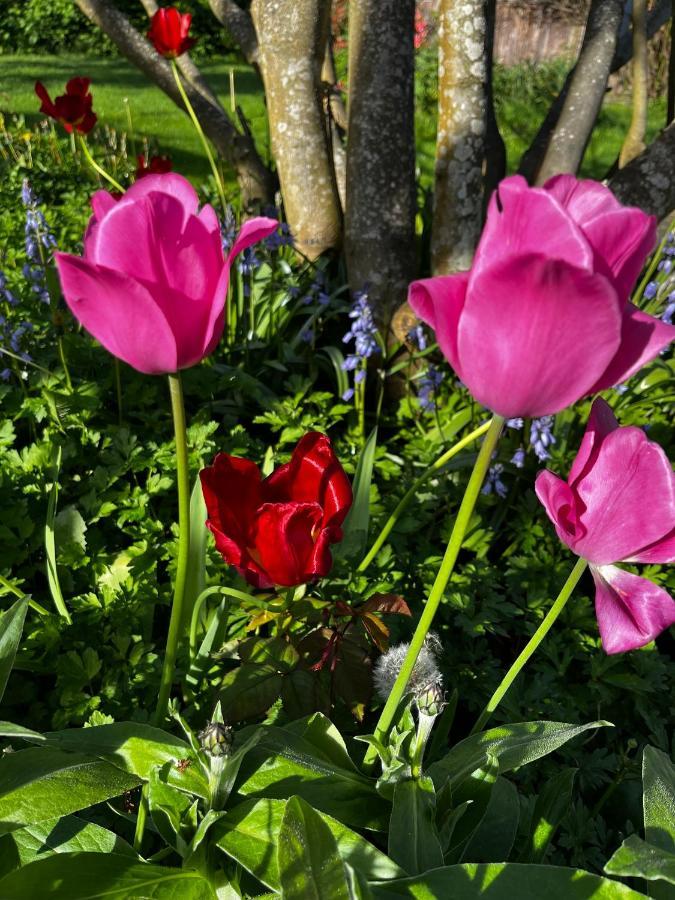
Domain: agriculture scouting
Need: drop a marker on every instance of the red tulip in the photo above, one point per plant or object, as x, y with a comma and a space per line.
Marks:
618, 505
278, 531
169, 32
72, 109
155, 165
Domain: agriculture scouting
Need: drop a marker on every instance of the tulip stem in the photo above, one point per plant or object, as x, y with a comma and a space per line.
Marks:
95, 166
532, 644
417, 484
459, 530
202, 136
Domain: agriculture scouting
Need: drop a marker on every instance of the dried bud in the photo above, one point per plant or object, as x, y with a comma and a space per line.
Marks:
216, 739
431, 699
425, 671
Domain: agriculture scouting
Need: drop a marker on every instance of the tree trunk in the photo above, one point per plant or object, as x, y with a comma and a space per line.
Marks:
635, 139
238, 22
292, 37
461, 137
255, 181
380, 215
649, 180
335, 110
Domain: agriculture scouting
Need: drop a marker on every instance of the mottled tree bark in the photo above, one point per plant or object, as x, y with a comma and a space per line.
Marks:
292, 37
634, 143
461, 136
649, 180
238, 22
337, 113
255, 181
587, 87
380, 215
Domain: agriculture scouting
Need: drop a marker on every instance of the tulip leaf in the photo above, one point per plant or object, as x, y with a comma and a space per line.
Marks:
90, 876
196, 571
658, 783
638, 859
355, 528
551, 806
310, 866
413, 839
249, 833
11, 628
337, 359
38, 784
505, 881
513, 745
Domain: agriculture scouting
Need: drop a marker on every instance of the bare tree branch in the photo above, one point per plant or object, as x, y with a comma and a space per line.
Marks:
256, 182
634, 143
292, 38
460, 139
649, 180
495, 150
240, 25
380, 214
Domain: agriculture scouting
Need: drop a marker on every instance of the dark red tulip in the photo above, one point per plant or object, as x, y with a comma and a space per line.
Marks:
278, 530
169, 32
156, 165
72, 109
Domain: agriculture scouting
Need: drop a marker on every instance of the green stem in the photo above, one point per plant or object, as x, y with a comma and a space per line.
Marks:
202, 136
459, 530
417, 484
532, 644
19, 593
62, 355
183, 482
95, 166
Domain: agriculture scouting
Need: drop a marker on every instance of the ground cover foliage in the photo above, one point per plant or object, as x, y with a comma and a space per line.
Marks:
87, 493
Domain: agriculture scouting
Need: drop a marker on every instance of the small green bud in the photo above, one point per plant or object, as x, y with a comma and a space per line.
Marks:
216, 739
430, 699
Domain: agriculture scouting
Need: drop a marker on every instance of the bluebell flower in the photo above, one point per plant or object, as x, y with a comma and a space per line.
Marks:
518, 458
665, 265
669, 311
5, 374
348, 394
514, 423
282, 237
363, 332
493, 482
248, 261
427, 387
541, 436
228, 229
417, 336
650, 290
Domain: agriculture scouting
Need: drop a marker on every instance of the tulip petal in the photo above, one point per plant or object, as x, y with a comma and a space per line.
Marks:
583, 198
102, 202
283, 537
559, 501
631, 611
629, 497
165, 183
601, 422
536, 334
120, 313
313, 475
661, 551
232, 494
47, 106
439, 302
523, 220
642, 339
252, 231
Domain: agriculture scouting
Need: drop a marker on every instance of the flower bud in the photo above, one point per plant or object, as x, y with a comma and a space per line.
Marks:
430, 699
216, 739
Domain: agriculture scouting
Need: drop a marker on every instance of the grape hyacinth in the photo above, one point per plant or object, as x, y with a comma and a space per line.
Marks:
363, 333
38, 240
317, 291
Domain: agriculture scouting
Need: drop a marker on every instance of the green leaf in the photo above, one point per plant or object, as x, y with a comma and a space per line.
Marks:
413, 839
64, 835
658, 784
310, 867
513, 745
249, 691
319, 731
551, 806
11, 628
493, 839
639, 859
249, 833
39, 784
284, 763
476, 791
89, 876
196, 571
9, 729
168, 809
337, 358
70, 527
50, 542
355, 528
504, 881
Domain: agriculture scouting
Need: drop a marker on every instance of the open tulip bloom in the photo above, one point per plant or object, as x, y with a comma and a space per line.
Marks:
152, 282
278, 530
618, 505
542, 319
72, 109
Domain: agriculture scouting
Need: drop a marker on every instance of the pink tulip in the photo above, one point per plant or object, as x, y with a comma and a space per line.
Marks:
542, 318
618, 504
152, 283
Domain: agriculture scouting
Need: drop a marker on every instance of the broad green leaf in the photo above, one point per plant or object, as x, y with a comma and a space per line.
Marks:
249, 691
550, 808
39, 784
50, 542
249, 833
196, 572
355, 528
10, 730
639, 859
89, 876
413, 839
493, 839
169, 808
504, 881
319, 731
513, 745
284, 763
65, 835
658, 785
310, 867
11, 627
476, 791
